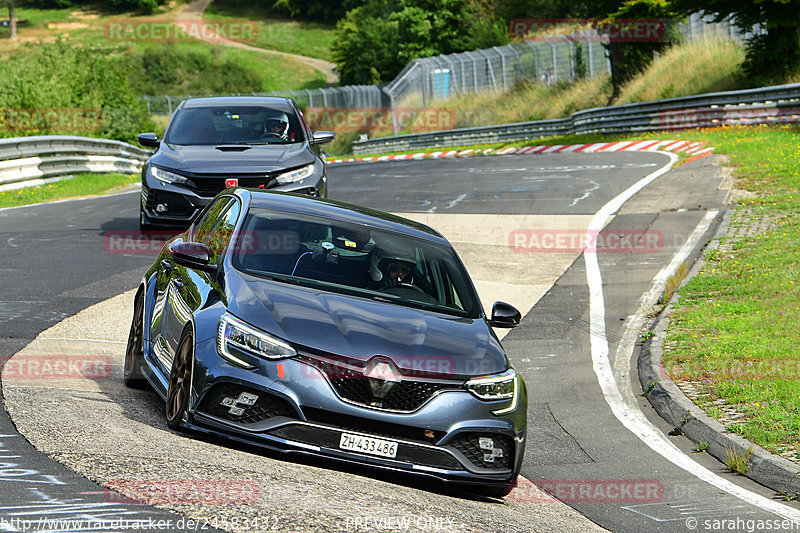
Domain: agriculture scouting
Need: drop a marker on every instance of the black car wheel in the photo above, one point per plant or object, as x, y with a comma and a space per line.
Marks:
134, 355
180, 379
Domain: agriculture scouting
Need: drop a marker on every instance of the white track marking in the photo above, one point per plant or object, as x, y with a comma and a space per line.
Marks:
633, 419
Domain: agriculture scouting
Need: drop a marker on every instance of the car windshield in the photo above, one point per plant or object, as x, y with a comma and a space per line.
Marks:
354, 259
234, 125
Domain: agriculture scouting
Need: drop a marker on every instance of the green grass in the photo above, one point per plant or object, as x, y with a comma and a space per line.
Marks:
736, 328
699, 67
78, 186
202, 69
186, 68
295, 37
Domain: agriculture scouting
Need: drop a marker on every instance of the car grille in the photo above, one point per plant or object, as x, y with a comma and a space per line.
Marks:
469, 445
406, 395
370, 426
213, 185
267, 405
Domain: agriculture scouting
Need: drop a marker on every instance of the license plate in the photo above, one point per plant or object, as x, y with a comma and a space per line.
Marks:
370, 445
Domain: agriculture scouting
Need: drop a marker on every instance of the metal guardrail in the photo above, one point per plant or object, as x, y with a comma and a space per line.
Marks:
48, 156
768, 105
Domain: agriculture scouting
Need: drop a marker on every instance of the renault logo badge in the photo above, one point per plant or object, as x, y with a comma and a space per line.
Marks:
382, 375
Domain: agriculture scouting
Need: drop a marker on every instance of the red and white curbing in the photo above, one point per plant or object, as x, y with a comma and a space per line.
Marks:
697, 149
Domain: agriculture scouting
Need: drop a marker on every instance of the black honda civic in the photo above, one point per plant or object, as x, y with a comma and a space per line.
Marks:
212, 144
316, 327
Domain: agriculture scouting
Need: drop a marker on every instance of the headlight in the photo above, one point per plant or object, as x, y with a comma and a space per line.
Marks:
236, 339
497, 387
295, 175
168, 177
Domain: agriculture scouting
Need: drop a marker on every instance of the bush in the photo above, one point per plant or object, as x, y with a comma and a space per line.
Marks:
187, 69
49, 79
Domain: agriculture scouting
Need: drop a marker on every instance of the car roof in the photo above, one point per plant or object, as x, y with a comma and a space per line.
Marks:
336, 210
256, 101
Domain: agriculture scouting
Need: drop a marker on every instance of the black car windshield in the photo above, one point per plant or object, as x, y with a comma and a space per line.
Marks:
234, 125
354, 259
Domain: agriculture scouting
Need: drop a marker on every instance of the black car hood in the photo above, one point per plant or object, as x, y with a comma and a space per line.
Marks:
358, 328
231, 159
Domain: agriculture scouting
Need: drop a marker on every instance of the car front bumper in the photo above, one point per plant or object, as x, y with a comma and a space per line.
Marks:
450, 437
169, 205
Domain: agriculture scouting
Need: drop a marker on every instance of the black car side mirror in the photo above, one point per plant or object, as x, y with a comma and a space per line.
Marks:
504, 316
148, 139
191, 254
322, 137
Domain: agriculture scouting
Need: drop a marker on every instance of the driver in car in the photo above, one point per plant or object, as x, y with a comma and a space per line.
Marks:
389, 270
277, 127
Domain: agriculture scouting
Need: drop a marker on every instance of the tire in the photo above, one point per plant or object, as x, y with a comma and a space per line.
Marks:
134, 353
180, 380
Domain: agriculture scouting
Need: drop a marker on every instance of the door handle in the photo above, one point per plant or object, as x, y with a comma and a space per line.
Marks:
178, 283
166, 265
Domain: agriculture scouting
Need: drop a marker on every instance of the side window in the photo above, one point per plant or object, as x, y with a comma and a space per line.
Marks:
218, 239
210, 219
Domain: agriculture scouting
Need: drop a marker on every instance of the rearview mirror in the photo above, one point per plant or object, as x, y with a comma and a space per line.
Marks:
504, 316
322, 137
191, 254
148, 139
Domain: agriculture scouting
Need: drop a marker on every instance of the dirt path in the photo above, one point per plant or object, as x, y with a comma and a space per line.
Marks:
194, 11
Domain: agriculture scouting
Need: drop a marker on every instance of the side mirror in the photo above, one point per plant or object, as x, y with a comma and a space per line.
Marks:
148, 139
504, 316
191, 254
322, 137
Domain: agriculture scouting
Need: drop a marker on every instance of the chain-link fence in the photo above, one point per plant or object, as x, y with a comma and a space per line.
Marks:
351, 96
425, 81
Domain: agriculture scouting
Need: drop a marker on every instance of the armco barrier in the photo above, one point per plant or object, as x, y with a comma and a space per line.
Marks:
768, 105
50, 156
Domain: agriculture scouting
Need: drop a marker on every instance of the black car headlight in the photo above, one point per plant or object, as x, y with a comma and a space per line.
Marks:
295, 175
236, 339
496, 387
166, 176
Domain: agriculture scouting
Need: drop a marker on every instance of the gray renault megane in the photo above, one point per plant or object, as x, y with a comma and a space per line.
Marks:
317, 327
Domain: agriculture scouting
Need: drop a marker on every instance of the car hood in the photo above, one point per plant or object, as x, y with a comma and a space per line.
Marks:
251, 159
417, 340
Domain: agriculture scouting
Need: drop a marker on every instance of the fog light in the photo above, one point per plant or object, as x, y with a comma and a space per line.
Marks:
234, 404
161, 208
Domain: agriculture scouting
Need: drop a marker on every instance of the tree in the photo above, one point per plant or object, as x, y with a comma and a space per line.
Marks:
770, 56
628, 54
325, 11
12, 20
375, 41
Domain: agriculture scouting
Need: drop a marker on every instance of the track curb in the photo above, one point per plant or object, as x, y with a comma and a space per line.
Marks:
765, 468
697, 149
